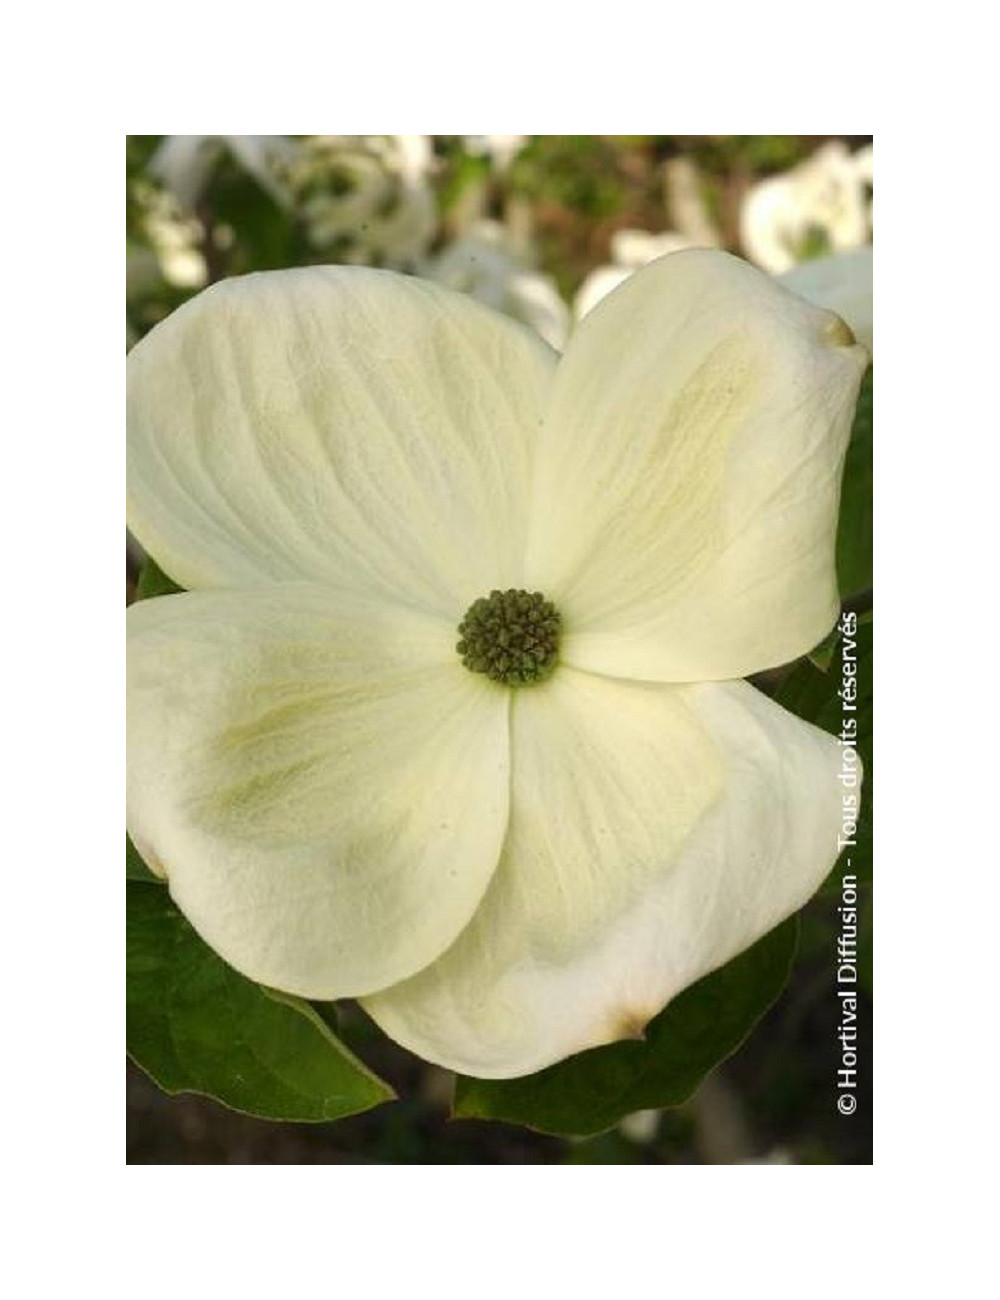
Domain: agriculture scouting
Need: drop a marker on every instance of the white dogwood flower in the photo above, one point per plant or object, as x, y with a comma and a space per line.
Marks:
450, 719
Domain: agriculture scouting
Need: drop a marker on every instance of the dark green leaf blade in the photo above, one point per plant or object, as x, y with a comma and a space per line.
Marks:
195, 1025
135, 868
591, 1092
854, 529
154, 582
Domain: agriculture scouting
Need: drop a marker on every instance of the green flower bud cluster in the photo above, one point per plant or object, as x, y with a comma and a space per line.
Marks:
511, 636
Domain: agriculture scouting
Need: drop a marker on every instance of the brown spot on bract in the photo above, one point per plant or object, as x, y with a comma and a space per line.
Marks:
839, 334
631, 1024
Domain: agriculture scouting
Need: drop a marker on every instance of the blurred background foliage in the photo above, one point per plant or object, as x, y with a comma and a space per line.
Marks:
540, 227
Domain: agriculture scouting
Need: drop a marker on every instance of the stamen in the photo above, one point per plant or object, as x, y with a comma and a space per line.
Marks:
511, 636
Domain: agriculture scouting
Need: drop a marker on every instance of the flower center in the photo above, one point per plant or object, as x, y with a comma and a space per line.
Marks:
511, 636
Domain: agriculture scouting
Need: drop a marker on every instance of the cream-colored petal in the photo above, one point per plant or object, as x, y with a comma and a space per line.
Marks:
842, 283
336, 424
598, 284
656, 831
688, 477
322, 783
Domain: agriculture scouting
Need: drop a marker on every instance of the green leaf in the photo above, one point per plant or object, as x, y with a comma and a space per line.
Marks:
592, 1091
195, 1025
814, 695
821, 656
154, 582
135, 868
464, 173
854, 530
263, 235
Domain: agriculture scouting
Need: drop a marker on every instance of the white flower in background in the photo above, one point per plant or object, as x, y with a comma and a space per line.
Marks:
483, 193
840, 283
630, 250
641, 1126
414, 154
864, 162
175, 238
185, 163
687, 208
483, 264
500, 149
524, 844
366, 199
818, 207
776, 1156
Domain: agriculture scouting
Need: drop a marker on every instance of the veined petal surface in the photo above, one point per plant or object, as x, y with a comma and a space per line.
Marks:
688, 477
336, 424
656, 831
322, 783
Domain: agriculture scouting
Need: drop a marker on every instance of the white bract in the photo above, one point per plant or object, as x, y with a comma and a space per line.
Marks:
337, 462
842, 283
630, 251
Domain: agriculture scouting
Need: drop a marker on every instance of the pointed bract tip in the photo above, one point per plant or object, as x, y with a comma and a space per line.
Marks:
838, 333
